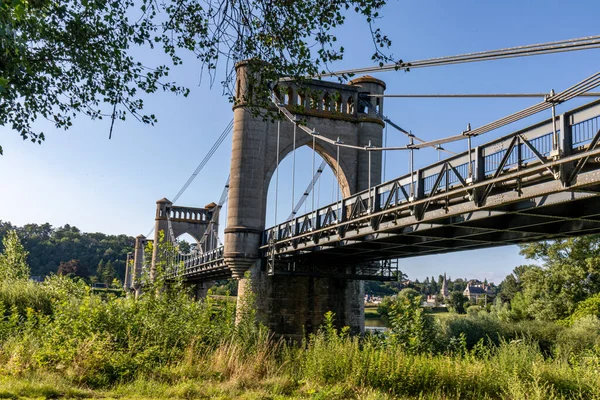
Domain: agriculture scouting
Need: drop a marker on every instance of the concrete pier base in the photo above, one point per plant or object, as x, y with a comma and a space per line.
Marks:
201, 289
294, 306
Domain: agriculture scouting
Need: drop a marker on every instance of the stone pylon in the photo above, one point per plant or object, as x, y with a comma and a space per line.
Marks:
291, 305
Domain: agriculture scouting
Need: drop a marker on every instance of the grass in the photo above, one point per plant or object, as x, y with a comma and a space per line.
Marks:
371, 312
334, 368
170, 346
45, 386
443, 315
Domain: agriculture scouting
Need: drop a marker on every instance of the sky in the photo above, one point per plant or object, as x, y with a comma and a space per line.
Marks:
82, 178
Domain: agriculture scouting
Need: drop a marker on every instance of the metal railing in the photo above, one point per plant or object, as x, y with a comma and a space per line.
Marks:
532, 146
193, 263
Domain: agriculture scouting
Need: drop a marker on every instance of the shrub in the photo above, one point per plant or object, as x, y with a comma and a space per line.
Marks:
588, 307
410, 327
578, 340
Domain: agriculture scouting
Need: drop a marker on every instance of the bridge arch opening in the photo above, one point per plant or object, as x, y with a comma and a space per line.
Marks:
326, 189
186, 242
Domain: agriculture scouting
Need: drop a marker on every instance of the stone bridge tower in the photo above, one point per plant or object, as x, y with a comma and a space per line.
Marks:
290, 305
193, 221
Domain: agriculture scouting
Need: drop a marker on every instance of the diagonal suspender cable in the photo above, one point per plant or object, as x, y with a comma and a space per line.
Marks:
584, 43
213, 220
307, 130
203, 163
205, 160
308, 190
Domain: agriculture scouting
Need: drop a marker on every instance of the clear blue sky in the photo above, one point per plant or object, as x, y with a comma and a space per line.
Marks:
82, 178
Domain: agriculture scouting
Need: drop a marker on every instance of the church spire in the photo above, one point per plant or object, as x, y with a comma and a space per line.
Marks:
444, 291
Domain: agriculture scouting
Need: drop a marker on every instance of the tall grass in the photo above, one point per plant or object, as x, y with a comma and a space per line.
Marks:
58, 339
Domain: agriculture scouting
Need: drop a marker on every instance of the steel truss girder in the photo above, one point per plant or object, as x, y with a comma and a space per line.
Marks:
385, 270
533, 198
581, 163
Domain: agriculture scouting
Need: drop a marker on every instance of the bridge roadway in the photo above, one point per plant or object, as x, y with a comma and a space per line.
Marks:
530, 185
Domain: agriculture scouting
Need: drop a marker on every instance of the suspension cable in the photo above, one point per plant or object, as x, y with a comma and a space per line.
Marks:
277, 171
567, 94
205, 160
313, 169
293, 171
337, 167
387, 121
471, 95
315, 134
203, 163
584, 43
385, 135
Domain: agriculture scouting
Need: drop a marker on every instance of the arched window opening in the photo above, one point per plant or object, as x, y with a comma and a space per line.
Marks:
277, 93
337, 100
302, 99
350, 105
291, 99
378, 105
315, 102
326, 104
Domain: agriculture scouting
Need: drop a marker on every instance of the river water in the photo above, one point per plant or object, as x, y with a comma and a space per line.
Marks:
375, 325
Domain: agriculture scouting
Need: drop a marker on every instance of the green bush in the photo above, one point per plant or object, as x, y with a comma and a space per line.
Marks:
588, 307
579, 340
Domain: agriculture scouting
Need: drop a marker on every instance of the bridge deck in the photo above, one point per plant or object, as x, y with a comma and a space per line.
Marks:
519, 188
531, 185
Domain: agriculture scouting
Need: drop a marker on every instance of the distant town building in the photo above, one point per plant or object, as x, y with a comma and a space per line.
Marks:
476, 290
370, 299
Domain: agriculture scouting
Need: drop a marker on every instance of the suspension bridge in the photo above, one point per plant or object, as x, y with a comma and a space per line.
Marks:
541, 182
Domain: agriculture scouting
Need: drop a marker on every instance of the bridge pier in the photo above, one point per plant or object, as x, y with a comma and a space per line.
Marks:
201, 289
294, 306
135, 275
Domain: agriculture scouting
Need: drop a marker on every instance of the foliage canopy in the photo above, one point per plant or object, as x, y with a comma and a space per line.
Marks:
61, 58
48, 246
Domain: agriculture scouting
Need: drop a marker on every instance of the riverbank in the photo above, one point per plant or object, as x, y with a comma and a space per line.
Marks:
335, 370
59, 340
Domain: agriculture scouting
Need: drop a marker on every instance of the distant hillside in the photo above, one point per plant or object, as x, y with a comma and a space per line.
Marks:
49, 246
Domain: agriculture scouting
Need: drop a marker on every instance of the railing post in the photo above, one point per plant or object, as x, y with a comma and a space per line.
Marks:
342, 218
376, 206
419, 194
479, 174
376, 199
420, 190
566, 147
